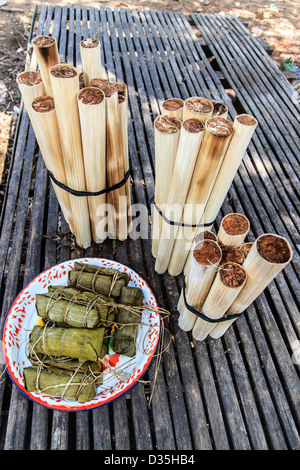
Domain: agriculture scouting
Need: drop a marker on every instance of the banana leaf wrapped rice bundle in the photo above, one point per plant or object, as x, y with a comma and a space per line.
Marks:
97, 279
70, 306
68, 364
58, 383
128, 320
79, 343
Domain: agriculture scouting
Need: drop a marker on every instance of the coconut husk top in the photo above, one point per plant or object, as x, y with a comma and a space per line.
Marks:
29, 78
43, 41
173, 104
199, 105
109, 89
43, 104
219, 126
63, 71
235, 224
193, 125
207, 253
232, 275
89, 43
273, 249
91, 95
246, 120
168, 124
219, 108
231, 254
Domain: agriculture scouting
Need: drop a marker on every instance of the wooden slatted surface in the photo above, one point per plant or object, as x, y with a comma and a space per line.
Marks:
238, 392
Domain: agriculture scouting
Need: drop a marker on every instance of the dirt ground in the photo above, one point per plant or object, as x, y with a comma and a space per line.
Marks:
278, 24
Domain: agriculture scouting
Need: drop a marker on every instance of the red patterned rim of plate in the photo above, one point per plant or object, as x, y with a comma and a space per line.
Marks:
15, 370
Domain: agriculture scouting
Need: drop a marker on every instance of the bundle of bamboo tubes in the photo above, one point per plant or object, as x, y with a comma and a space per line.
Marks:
226, 274
191, 187
83, 137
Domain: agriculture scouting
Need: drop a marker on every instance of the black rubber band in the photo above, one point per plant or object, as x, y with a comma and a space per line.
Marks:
89, 193
204, 317
177, 224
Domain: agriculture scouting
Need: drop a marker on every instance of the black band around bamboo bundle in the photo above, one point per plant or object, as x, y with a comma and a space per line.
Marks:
201, 315
177, 224
74, 192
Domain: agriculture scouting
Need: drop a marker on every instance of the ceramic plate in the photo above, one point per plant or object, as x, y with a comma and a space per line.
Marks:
22, 317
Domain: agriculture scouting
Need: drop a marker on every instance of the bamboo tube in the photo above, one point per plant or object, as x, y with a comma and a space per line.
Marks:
173, 107
65, 87
243, 129
197, 107
206, 235
167, 131
218, 132
115, 169
268, 255
191, 135
227, 285
205, 261
44, 123
233, 229
91, 105
123, 108
45, 48
90, 50
220, 109
31, 86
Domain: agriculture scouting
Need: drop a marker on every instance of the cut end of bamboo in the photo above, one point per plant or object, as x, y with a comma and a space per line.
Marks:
172, 105
193, 125
90, 43
274, 249
43, 41
219, 126
199, 105
109, 89
43, 104
63, 71
219, 109
29, 78
168, 124
246, 120
233, 275
91, 96
207, 253
205, 235
231, 254
233, 229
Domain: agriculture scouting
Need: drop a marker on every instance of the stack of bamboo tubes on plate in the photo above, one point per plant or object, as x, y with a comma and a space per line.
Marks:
226, 274
83, 137
197, 154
